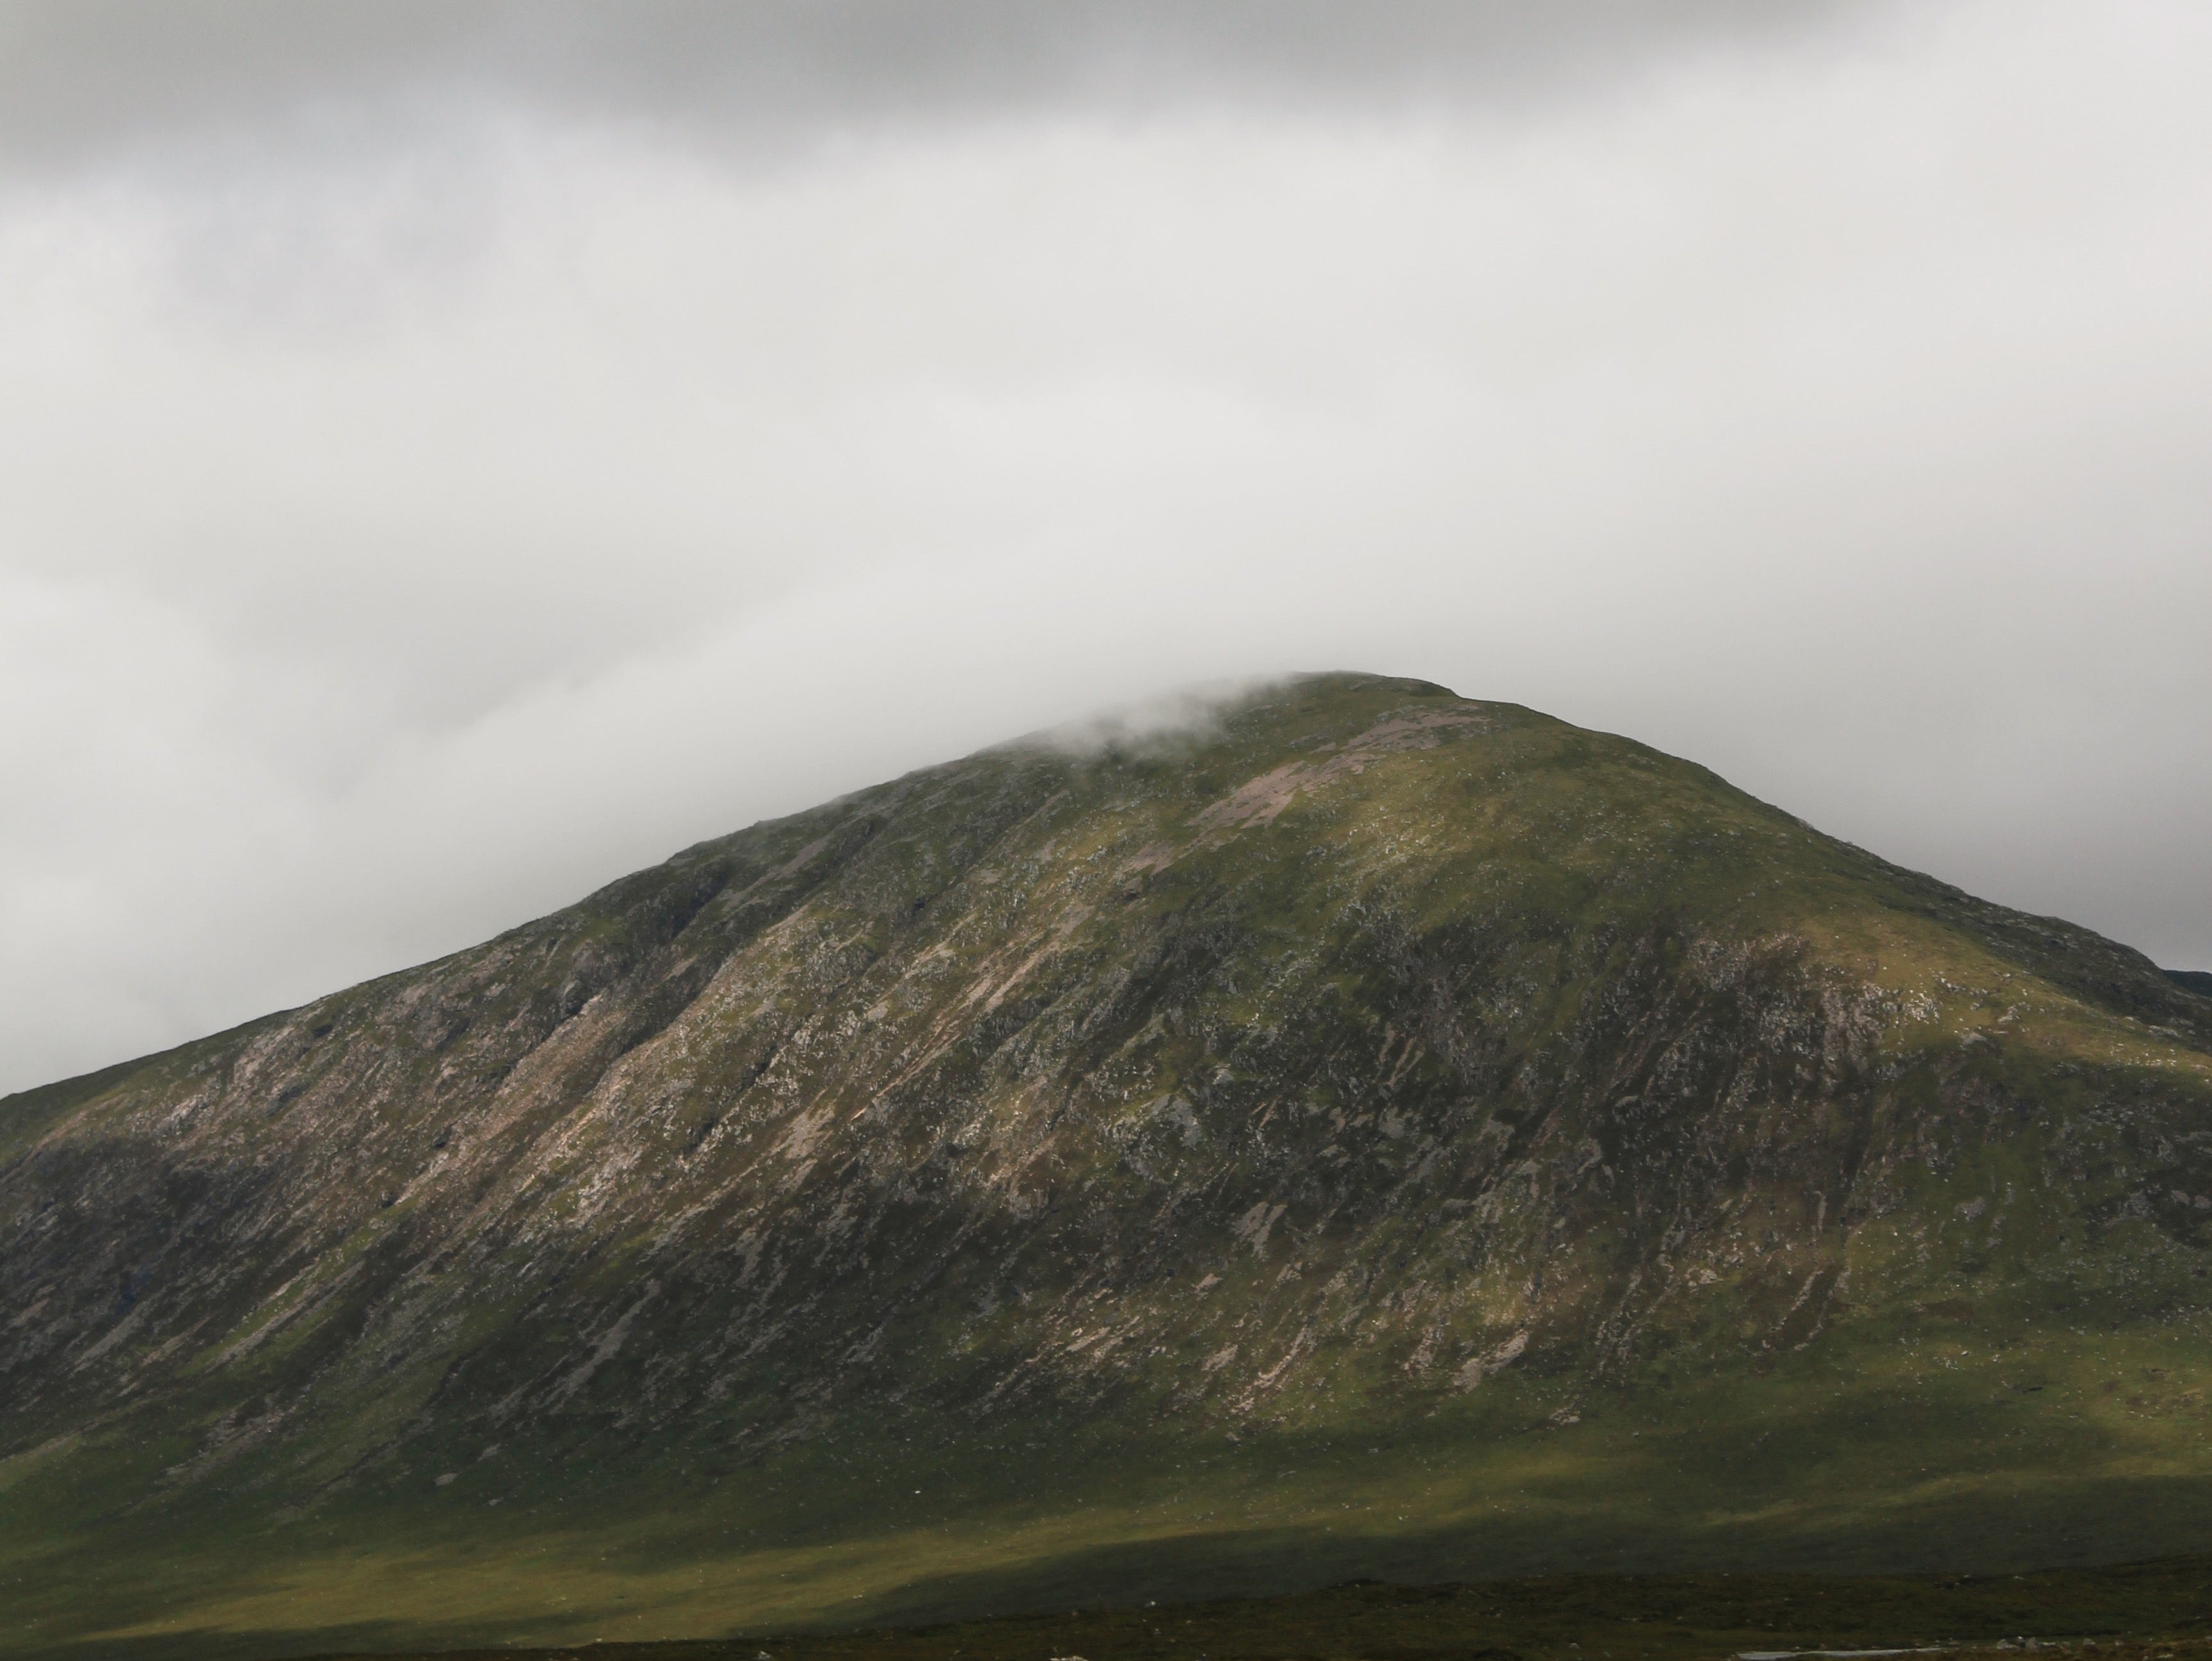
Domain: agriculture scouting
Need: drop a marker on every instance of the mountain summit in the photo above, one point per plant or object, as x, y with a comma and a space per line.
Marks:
1372, 1133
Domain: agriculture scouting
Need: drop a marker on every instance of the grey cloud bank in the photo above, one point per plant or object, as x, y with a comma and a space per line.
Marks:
450, 457
82, 78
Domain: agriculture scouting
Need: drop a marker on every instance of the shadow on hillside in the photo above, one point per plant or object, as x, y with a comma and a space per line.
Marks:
1116, 1604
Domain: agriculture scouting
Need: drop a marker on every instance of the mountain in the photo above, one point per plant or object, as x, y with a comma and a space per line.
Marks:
1372, 1133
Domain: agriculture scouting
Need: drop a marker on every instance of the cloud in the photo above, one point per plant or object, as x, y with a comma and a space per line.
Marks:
401, 535
86, 78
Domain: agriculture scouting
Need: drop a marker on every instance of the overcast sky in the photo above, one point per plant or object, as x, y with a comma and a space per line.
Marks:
452, 454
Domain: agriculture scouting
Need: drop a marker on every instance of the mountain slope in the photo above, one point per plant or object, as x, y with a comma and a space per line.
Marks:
1380, 1133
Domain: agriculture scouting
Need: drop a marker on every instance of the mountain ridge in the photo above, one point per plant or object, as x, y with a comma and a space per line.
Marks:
1375, 1131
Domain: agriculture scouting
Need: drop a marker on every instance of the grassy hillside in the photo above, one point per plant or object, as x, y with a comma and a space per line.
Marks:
2140, 1612
1379, 1134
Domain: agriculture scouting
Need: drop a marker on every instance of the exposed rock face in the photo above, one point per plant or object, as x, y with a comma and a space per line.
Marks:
1372, 1051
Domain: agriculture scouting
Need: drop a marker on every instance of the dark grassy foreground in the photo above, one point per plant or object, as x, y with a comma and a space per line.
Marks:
1858, 1478
2152, 1610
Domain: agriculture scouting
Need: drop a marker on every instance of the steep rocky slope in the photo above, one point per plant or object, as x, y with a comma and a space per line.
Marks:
1378, 1133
